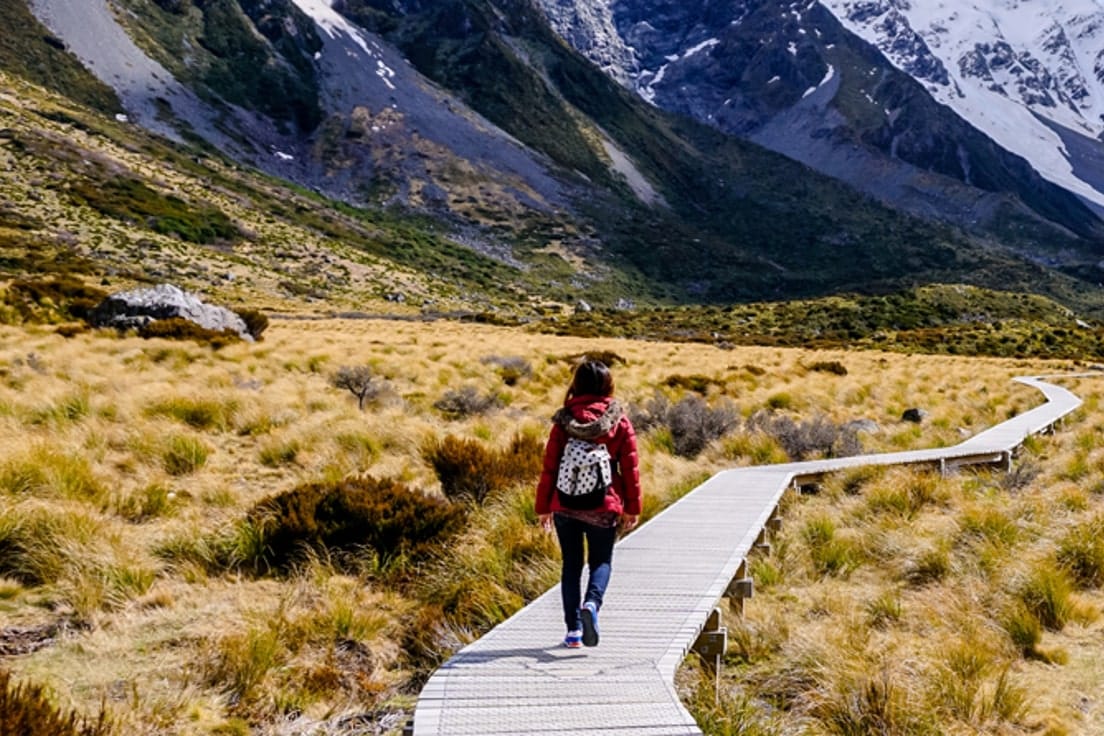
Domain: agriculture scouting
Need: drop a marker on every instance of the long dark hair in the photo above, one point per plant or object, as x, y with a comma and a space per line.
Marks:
592, 378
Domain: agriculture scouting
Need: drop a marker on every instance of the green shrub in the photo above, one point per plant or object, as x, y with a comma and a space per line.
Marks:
183, 454
200, 414
1047, 593
829, 366
130, 200
55, 299
256, 322
469, 469
178, 328
341, 518
830, 554
1081, 553
696, 382
26, 710
1024, 629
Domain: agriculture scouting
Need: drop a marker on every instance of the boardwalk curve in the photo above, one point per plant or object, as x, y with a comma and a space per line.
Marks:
671, 573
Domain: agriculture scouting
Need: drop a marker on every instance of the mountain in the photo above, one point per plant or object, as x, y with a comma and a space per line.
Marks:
542, 177
1029, 75
854, 100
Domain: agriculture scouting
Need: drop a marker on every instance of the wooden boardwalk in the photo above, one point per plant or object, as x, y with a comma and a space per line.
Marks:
669, 577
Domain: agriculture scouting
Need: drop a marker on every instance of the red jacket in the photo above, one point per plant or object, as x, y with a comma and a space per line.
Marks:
623, 496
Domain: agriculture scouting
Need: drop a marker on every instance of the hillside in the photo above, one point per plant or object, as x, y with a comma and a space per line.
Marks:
507, 149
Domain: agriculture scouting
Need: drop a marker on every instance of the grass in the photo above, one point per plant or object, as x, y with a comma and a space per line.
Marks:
129, 515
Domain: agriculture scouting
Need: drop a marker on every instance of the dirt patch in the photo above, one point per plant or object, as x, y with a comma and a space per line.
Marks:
16, 640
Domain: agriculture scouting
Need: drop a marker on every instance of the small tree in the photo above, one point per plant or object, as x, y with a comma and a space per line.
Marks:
360, 381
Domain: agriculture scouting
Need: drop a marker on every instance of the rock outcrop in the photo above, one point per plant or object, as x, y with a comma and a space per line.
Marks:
137, 308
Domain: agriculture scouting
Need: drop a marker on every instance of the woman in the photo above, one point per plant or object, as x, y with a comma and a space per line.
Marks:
589, 413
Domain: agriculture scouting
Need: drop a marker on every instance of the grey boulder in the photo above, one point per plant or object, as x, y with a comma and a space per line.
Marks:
137, 308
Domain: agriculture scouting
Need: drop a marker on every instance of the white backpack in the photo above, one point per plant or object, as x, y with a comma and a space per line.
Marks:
585, 474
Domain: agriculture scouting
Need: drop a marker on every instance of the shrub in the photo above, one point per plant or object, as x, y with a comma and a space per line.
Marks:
693, 424
830, 554
340, 518
183, 454
829, 366
1047, 593
608, 357
25, 709
200, 414
55, 299
469, 469
801, 439
39, 547
360, 381
1081, 553
511, 370
1024, 630
465, 402
780, 401
275, 454
930, 566
45, 471
256, 322
178, 328
696, 382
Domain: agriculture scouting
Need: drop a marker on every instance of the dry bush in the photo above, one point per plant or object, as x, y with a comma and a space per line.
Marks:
178, 328
829, 366
511, 369
361, 381
343, 518
610, 358
466, 402
1081, 552
467, 468
691, 422
801, 440
256, 322
26, 710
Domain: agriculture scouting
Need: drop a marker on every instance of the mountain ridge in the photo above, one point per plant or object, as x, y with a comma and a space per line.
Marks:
578, 183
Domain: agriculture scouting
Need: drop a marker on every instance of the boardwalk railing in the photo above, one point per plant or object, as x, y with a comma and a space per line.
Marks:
669, 577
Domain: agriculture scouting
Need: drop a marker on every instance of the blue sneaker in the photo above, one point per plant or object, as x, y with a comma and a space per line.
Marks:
589, 616
574, 639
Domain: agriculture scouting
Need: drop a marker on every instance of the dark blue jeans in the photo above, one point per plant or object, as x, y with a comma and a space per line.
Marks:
598, 556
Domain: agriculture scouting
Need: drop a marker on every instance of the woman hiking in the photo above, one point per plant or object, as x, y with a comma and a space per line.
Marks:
589, 486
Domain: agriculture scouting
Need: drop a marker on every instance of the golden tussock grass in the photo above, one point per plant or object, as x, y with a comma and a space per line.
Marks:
892, 599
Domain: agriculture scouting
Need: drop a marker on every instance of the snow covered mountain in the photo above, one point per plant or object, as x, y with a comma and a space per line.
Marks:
1028, 74
948, 111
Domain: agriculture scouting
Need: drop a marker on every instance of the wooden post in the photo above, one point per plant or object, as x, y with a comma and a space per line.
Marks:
762, 542
710, 646
739, 588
